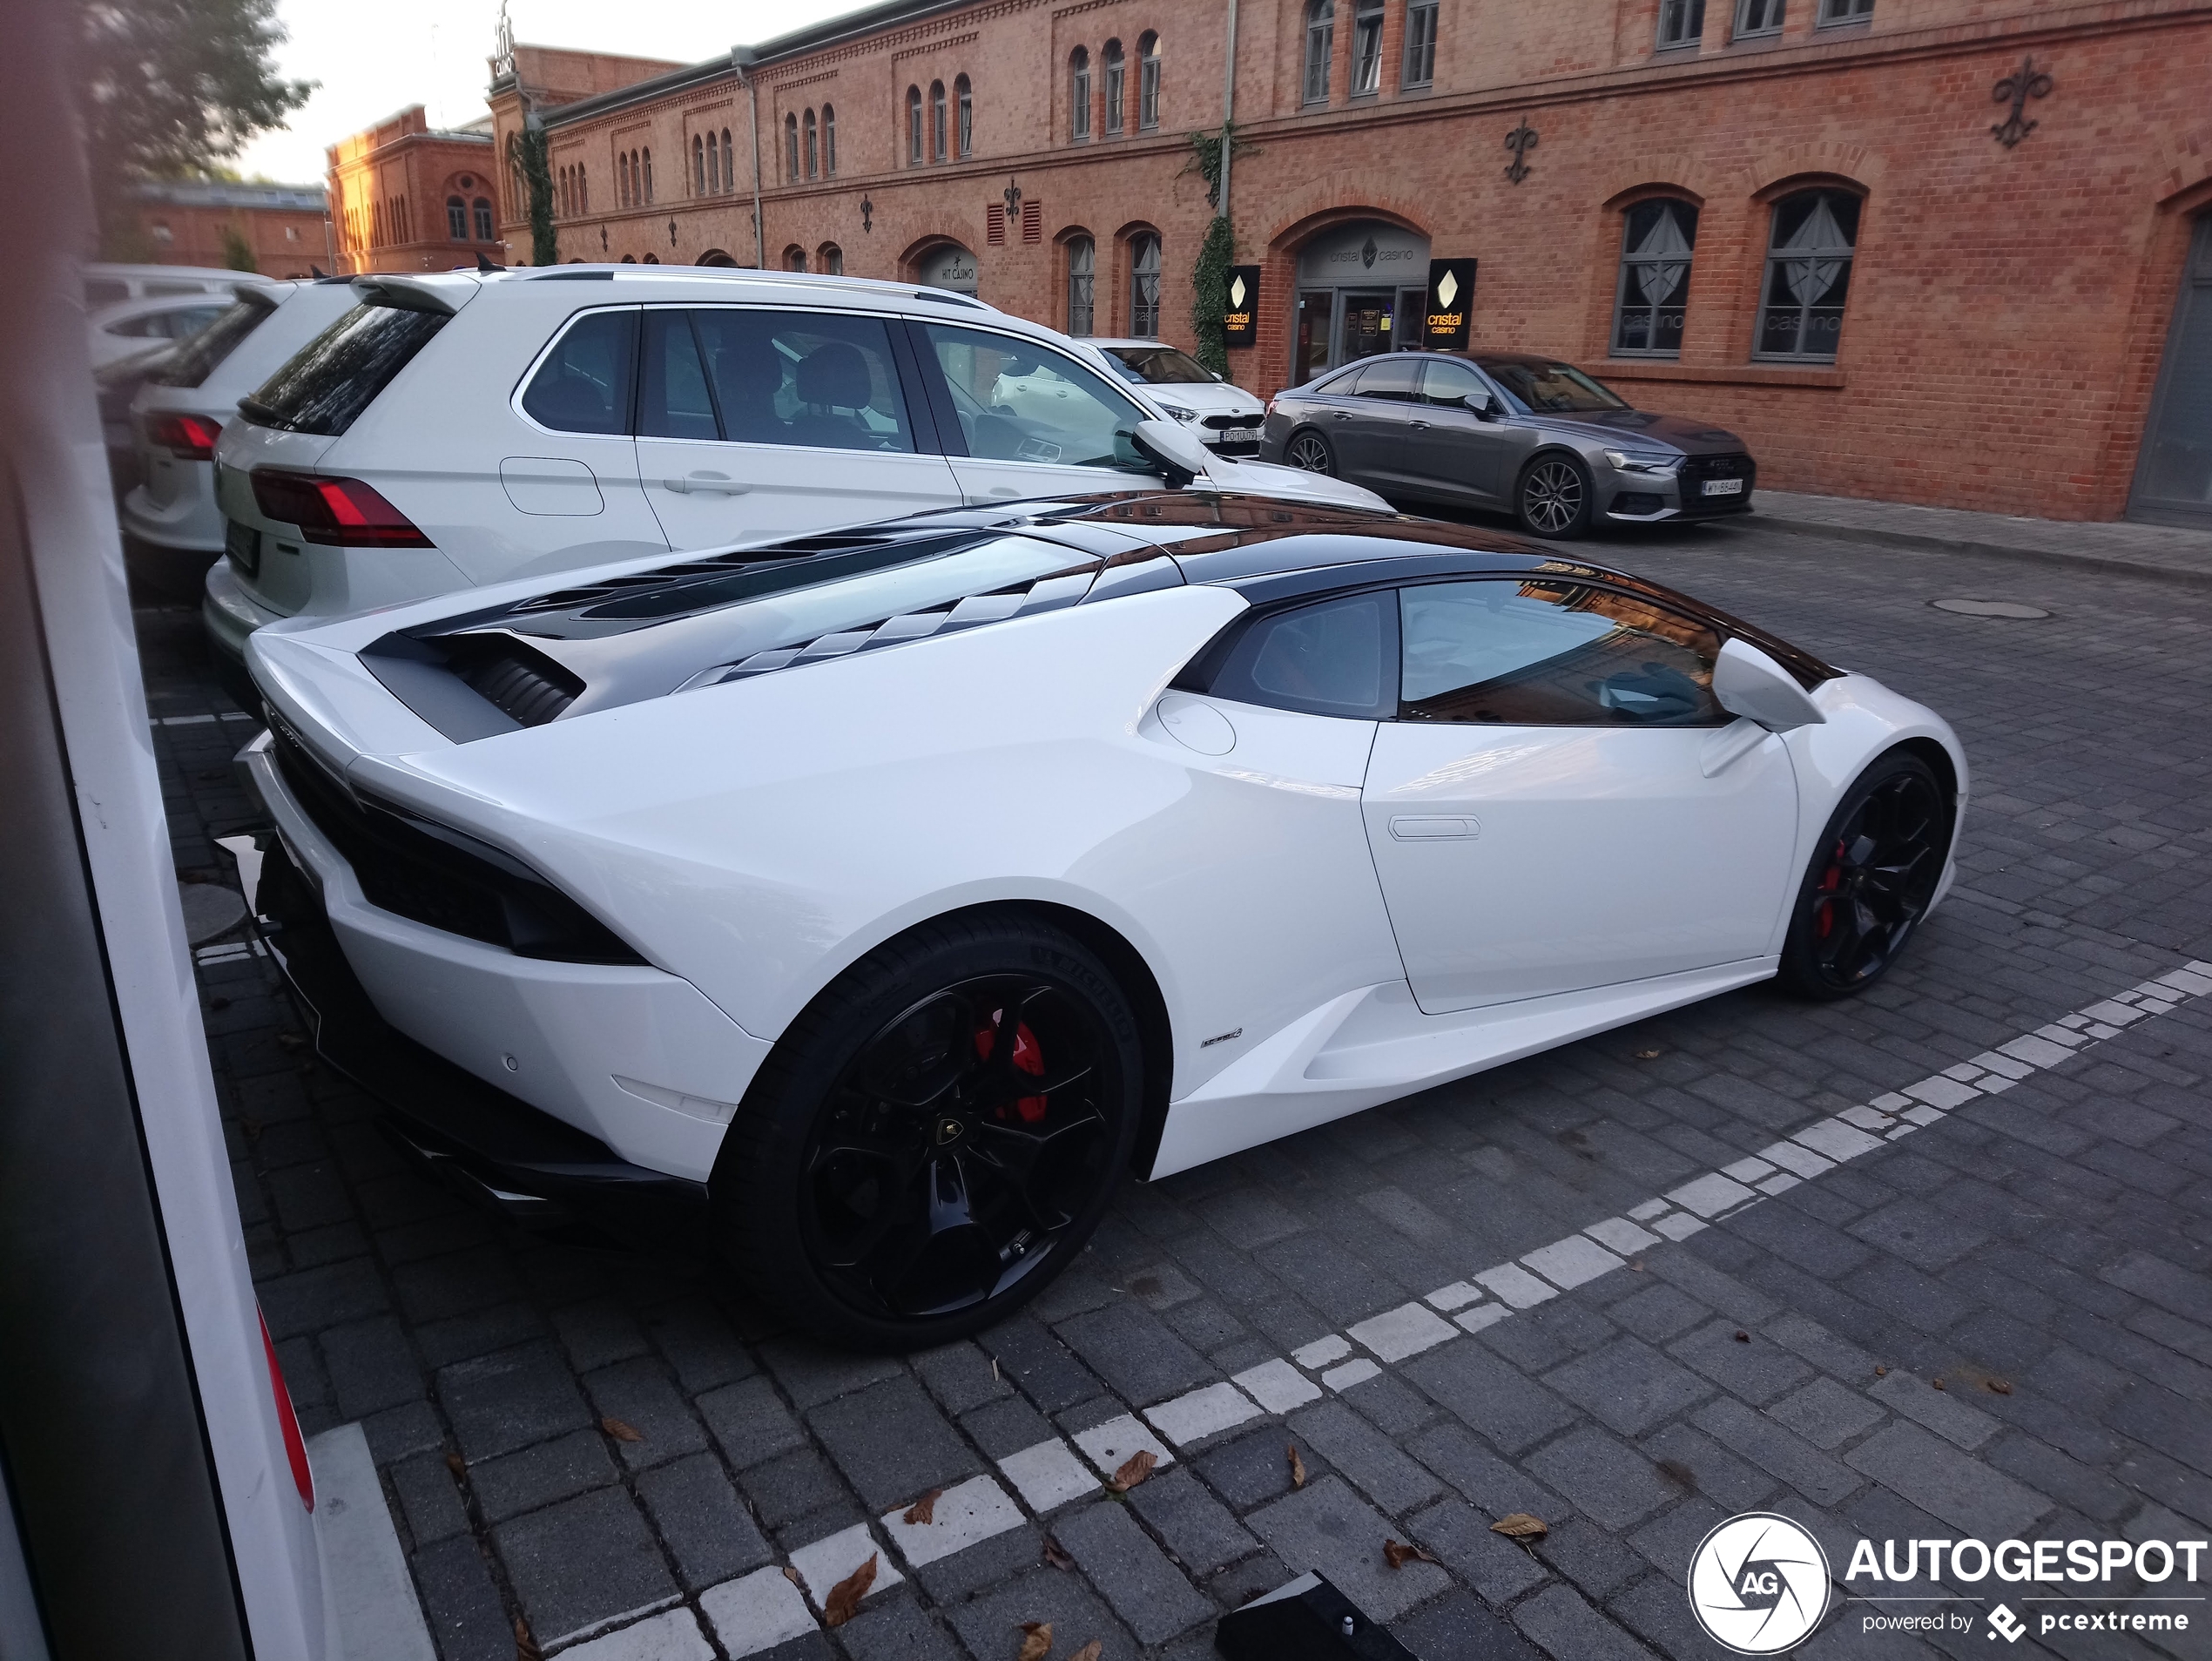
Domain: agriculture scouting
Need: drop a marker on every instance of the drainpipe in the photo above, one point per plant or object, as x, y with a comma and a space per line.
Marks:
742, 58
1228, 106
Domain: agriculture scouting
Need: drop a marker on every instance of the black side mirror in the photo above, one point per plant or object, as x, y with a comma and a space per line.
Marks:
1480, 404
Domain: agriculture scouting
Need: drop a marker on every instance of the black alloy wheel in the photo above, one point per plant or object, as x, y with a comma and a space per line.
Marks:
1554, 499
1872, 878
936, 1136
1311, 451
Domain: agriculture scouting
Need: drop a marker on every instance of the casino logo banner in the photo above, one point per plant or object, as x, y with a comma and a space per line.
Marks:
1240, 319
1451, 305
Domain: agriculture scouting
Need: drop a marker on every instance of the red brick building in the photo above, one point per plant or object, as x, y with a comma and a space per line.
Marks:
283, 228
1944, 251
406, 196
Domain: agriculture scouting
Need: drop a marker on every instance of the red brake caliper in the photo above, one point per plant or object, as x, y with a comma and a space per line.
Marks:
1829, 884
1028, 1057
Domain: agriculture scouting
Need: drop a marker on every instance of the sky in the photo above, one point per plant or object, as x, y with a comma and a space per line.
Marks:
370, 62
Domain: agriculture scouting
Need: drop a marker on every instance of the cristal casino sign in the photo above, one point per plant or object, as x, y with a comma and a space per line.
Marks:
1240, 318
1451, 303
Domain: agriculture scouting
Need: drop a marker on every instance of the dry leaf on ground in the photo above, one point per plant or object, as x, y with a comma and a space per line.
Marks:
1521, 1526
844, 1601
454, 1463
1397, 1554
1056, 1555
792, 1576
1038, 1644
1298, 1468
620, 1431
923, 1510
1135, 1469
1997, 1386
525, 1646
1089, 1652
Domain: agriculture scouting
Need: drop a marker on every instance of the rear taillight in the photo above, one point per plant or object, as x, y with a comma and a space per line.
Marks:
189, 438
342, 513
1269, 410
295, 1447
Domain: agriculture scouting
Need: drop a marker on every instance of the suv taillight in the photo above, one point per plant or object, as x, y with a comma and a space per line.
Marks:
1269, 410
339, 513
189, 438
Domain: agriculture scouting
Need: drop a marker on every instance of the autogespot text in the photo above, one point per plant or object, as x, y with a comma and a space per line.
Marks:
2079, 1562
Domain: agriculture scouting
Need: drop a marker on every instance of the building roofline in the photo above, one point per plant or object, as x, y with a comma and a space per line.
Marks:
833, 31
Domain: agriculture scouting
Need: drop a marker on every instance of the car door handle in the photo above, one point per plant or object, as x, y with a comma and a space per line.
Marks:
1417, 426
1340, 415
706, 484
1406, 829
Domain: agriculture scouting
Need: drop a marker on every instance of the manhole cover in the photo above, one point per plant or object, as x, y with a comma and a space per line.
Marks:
1990, 608
210, 909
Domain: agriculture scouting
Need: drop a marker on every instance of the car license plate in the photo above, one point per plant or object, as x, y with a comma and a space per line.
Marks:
243, 545
1240, 435
1723, 487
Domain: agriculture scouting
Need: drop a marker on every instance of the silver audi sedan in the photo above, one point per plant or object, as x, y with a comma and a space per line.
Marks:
1511, 430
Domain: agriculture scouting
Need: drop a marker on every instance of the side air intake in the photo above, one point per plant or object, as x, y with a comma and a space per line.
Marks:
526, 683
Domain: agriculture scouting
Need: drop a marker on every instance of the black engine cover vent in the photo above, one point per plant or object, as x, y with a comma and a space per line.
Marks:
516, 678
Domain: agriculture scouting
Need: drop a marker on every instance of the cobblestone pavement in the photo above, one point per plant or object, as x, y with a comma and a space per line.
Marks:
1987, 1173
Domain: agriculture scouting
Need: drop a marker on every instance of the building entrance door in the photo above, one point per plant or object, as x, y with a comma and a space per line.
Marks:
1315, 316
2174, 477
1368, 318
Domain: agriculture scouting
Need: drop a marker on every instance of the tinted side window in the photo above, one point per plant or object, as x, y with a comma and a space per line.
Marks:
1552, 654
1018, 402
812, 378
197, 358
1326, 660
336, 376
673, 397
1450, 383
1393, 378
583, 385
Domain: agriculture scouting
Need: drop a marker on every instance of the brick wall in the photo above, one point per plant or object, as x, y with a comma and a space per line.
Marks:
2009, 304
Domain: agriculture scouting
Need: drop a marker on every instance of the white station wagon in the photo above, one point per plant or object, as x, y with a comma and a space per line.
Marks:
462, 429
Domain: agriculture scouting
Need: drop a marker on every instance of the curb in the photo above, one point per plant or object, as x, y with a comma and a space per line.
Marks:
2107, 564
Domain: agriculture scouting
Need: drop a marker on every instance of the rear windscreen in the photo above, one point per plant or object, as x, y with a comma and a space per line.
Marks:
336, 376
196, 358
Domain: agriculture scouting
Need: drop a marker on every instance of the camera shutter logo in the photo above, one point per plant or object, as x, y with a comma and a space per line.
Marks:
1759, 1583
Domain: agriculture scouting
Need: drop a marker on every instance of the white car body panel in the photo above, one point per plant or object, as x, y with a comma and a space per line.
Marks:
753, 838
176, 507
1488, 840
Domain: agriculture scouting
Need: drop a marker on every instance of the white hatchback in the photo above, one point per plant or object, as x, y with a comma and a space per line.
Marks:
171, 517
1224, 416
462, 429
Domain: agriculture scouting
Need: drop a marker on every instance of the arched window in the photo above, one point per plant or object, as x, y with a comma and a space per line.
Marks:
1366, 47
830, 259
1320, 45
1807, 274
699, 166
1148, 81
813, 147
649, 175
1083, 256
582, 189
630, 259
729, 163
1420, 43
1655, 244
622, 181
829, 141
914, 126
964, 107
1079, 94
1144, 286
1115, 74
456, 219
937, 121
651, 259
794, 258
791, 146
482, 209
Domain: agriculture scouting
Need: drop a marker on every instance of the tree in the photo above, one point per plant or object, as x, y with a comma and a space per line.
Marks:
237, 256
1216, 252
170, 89
532, 167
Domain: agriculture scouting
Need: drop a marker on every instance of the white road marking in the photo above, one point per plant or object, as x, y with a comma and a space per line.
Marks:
1049, 1474
1278, 1386
757, 1611
966, 1514
1112, 1445
674, 1635
828, 1561
1406, 1330
1202, 1413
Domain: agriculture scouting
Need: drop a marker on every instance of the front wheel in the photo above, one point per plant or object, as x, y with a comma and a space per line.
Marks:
1311, 451
1873, 876
1554, 499
936, 1136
